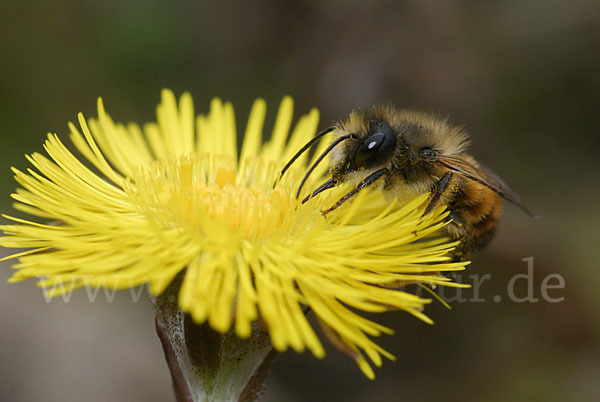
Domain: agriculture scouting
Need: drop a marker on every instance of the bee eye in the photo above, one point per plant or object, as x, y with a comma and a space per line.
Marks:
427, 153
368, 148
377, 146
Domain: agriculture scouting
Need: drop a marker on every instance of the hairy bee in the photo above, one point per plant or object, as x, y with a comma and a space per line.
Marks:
408, 153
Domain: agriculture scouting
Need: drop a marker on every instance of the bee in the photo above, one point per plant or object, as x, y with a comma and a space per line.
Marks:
407, 153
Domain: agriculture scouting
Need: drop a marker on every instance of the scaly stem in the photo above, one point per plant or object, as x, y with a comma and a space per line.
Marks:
206, 365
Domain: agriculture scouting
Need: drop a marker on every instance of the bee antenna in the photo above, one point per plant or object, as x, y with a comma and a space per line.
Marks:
320, 158
306, 146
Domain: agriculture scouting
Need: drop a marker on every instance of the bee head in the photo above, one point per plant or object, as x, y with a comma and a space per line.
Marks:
401, 143
418, 146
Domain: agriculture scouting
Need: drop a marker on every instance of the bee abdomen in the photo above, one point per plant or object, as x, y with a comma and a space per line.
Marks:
477, 212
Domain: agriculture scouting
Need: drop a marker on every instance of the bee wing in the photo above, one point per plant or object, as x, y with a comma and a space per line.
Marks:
486, 177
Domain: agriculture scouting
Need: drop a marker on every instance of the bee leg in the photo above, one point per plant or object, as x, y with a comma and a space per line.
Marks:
442, 190
456, 220
460, 252
366, 181
458, 230
325, 186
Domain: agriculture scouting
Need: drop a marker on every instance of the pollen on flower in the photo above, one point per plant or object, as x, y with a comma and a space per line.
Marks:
225, 175
196, 191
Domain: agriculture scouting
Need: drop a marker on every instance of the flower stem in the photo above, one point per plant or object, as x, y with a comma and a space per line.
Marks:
206, 365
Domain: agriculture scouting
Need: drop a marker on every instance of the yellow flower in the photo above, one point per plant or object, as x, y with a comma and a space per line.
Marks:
175, 196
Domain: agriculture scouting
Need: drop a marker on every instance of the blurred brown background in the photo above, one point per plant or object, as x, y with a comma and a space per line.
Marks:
523, 76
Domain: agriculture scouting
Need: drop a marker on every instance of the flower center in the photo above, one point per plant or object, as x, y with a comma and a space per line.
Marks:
202, 191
